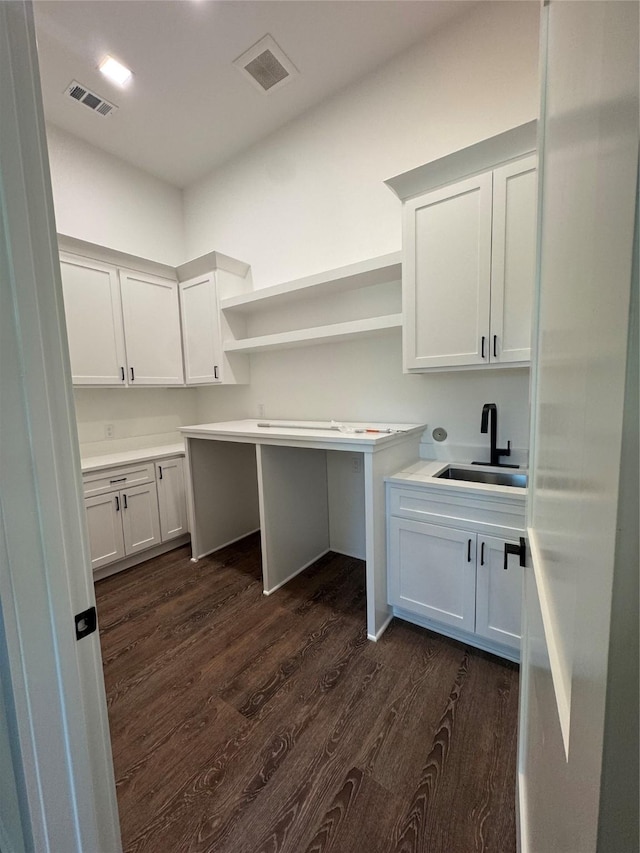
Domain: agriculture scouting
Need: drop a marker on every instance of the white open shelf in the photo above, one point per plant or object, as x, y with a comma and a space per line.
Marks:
364, 298
334, 333
353, 276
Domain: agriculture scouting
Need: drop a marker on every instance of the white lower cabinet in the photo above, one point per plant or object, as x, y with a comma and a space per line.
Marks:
433, 571
126, 516
171, 498
104, 525
453, 579
498, 593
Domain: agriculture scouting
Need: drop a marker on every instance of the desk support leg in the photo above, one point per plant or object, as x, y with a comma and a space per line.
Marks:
377, 465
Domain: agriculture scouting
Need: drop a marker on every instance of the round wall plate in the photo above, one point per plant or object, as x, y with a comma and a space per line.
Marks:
439, 434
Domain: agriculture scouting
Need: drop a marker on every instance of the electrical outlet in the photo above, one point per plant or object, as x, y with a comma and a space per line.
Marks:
356, 463
260, 410
109, 430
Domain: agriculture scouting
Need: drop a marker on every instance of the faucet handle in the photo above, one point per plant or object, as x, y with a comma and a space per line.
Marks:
505, 451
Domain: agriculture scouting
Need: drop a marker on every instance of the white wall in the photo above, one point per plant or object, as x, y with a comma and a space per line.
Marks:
363, 380
311, 196
104, 200
140, 416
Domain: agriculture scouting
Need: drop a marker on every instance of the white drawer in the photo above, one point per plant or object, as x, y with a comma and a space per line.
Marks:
114, 479
441, 506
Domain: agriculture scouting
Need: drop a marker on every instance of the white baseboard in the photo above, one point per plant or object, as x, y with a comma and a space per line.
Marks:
375, 637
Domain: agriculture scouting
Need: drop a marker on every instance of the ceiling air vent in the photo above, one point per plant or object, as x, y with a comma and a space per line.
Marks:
266, 65
85, 96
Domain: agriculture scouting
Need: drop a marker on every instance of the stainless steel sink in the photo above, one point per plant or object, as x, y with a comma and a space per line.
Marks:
494, 478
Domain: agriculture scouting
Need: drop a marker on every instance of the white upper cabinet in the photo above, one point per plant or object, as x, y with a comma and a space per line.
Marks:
447, 275
123, 326
513, 260
152, 329
469, 266
201, 330
94, 321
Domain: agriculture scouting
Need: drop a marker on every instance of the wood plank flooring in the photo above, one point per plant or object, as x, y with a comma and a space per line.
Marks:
249, 724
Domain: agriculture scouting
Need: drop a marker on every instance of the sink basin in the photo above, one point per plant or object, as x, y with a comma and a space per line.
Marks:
493, 478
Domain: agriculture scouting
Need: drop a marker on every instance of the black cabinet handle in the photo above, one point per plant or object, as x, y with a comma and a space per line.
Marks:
520, 550
117, 504
468, 550
215, 371
122, 373
132, 374
124, 498
495, 345
482, 554
482, 345
160, 471
118, 480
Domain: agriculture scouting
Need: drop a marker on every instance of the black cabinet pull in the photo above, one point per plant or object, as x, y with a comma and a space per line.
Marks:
122, 373
118, 480
117, 504
482, 554
160, 471
215, 371
520, 550
132, 374
468, 550
482, 350
495, 346
124, 498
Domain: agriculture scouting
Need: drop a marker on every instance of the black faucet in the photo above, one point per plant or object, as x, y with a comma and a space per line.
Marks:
490, 411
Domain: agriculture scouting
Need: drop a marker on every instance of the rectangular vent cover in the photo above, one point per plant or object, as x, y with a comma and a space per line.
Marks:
266, 65
85, 96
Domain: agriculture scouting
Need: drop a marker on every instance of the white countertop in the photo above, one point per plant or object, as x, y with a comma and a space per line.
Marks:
360, 435
424, 473
126, 457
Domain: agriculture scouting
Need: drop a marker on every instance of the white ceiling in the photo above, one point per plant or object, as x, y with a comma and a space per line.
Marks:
188, 109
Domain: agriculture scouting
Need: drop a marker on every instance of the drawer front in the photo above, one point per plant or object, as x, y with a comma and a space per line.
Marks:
115, 479
443, 507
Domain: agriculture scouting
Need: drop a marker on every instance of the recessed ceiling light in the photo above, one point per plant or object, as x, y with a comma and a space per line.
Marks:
115, 71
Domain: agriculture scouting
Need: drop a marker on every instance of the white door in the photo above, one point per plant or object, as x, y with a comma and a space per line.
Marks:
104, 526
433, 571
200, 330
498, 593
52, 683
578, 752
140, 520
513, 262
171, 498
446, 273
94, 321
152, 329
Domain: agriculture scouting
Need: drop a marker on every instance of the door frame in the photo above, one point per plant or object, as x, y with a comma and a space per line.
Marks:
54, 684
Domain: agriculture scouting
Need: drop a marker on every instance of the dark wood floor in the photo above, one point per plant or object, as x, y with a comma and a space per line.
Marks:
247, 724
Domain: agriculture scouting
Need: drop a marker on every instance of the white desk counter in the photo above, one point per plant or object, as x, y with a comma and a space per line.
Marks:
245, 476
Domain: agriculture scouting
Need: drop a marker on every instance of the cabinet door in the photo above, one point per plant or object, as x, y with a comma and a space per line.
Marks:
152, 329
140, 520
432, 571
513, 260
447, 275
200, 331
104, 525
499, 593
171, 498
94, 321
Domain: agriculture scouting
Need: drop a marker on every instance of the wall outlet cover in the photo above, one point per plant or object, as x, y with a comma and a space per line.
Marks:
439, 434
